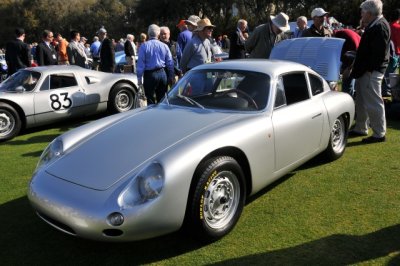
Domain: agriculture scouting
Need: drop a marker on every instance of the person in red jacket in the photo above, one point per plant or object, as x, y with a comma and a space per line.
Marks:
350, 46
395, 29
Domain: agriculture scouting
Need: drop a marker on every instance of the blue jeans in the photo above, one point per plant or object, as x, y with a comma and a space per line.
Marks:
155, 81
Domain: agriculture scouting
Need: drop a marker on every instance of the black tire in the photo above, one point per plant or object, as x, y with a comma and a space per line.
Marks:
338, 140
216, 199
10, 122
122, 98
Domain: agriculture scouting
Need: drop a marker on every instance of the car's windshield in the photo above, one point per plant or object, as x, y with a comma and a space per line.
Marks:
23, 80
221, 89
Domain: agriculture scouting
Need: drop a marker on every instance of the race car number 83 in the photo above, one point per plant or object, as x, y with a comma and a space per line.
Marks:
58, 101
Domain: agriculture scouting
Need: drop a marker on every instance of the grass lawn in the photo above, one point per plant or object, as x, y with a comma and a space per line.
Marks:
345, 212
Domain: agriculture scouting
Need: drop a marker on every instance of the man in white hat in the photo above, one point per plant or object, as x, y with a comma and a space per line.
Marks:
191, 22
264, 37
317, 29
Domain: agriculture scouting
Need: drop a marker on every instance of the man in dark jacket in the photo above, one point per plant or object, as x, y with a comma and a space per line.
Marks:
107, 53
369, 67
130, 52
45, 52
237, 49
317, 29
17, 53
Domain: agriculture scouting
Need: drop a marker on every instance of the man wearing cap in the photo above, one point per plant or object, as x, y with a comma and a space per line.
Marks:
264, 37
317, 29
191, 22
198, 51
107, 54
17, 53
371, 61
185, 34
155, 67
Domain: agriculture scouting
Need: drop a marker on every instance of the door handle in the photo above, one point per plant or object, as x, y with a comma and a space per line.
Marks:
315, 116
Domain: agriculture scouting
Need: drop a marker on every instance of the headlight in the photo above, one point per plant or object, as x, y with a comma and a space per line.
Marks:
54, 150
145, 186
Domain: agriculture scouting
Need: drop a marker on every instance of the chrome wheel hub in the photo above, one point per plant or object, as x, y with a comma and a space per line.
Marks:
221, 200
6, 123
337, 135
123, 101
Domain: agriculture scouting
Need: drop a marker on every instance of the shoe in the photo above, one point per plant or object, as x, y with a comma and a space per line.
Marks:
373, 139
354, 134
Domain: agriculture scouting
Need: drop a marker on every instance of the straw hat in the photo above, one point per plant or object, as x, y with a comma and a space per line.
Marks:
281, 21
203, 23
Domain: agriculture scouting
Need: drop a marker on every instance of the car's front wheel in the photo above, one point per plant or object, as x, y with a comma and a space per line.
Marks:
217, 198
10, 122
121, 98
338, 139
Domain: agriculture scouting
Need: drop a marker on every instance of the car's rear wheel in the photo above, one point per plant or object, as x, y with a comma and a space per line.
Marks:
10, 122
217, 198
338, 139
121, 98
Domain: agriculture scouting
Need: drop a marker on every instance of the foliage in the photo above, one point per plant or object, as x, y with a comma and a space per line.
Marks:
133, 16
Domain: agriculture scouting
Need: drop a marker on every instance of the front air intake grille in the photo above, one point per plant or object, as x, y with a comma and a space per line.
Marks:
60, 226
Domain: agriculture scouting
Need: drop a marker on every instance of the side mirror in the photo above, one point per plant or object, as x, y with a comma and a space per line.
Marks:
20, 89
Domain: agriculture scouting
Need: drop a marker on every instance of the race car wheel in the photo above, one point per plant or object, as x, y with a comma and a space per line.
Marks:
121, 98
217, 198
338, 140
10, 122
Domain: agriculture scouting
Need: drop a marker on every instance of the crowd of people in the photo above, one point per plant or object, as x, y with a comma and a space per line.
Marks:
370, 52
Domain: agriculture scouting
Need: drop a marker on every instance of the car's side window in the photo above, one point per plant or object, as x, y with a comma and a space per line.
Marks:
57, 81
280, 99
316, 84
295, 87
62, 81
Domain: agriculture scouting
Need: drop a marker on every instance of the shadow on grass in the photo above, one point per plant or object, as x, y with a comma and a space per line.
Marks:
28, 240
25, 239
332, 250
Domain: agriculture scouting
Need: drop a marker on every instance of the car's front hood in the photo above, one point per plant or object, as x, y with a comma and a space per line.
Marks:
112, 153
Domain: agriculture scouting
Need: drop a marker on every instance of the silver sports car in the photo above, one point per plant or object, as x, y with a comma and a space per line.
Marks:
43, 95
224, 132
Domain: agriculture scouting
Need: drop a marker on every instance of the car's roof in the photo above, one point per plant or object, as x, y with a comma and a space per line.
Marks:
267, 66
57, 68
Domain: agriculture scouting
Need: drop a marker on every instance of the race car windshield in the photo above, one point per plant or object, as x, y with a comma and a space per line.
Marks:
22, 80
222, 89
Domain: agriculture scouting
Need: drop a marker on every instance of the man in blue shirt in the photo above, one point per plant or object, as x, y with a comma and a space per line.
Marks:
155, 66
95, 51
185, 34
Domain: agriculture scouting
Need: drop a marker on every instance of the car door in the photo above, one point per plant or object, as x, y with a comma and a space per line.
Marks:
297, 120
59, 96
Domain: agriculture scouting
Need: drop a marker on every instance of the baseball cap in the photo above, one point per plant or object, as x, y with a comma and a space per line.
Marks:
318, 12
181, 23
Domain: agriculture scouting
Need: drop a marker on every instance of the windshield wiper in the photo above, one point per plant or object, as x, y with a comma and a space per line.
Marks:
190, 100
